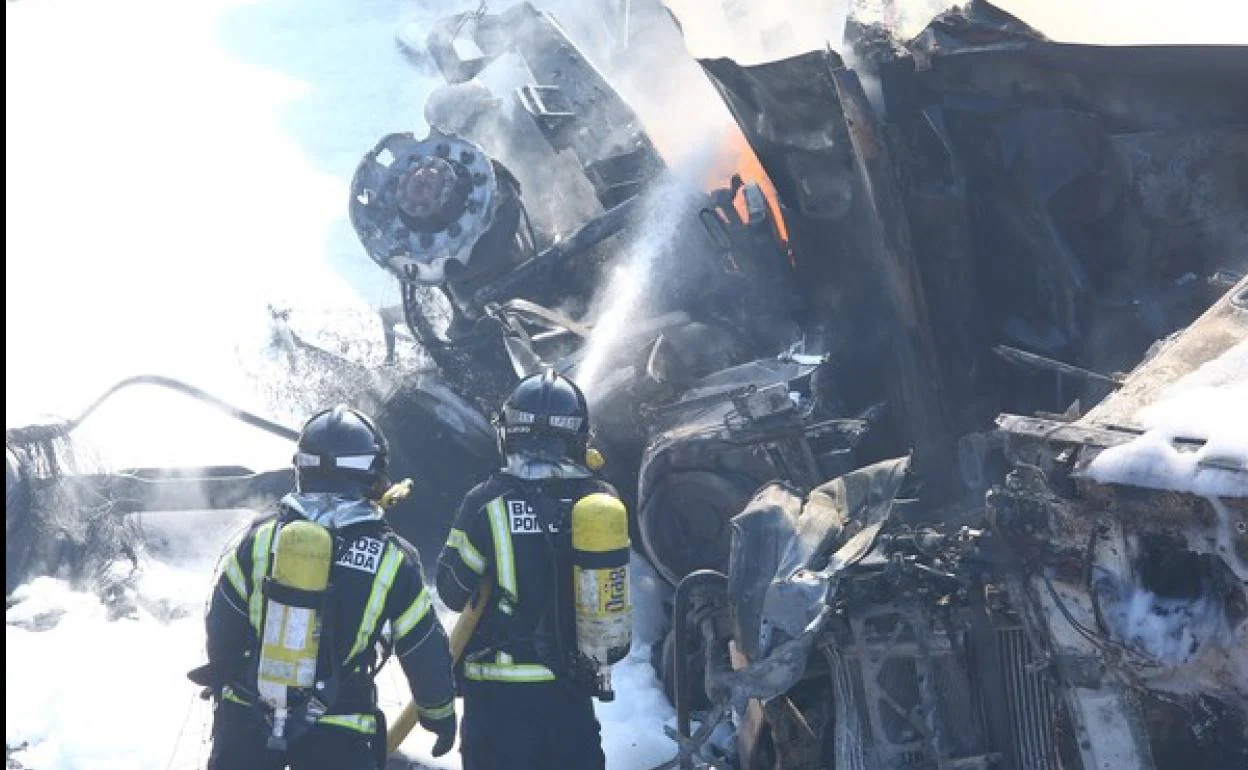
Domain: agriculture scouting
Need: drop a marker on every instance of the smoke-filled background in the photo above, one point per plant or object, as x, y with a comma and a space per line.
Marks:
175, 170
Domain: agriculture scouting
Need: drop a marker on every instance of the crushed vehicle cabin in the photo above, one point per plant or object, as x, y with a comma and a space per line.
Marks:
847, 417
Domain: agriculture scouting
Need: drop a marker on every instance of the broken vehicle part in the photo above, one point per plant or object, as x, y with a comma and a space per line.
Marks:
1139, 581
999, 604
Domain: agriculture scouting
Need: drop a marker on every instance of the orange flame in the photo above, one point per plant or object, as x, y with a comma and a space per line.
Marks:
735, 156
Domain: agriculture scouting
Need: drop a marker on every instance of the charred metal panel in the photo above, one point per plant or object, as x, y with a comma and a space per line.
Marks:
1096, 177
813, 128
1139, 592
1218, 330
790, 113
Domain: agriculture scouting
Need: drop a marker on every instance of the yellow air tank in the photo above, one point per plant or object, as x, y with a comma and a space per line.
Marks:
604, 616
303, 556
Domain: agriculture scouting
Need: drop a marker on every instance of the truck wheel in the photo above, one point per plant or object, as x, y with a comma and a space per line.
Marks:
684, 522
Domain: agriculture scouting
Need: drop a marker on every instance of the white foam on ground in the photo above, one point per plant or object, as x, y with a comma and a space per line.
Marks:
98, 694
89, 692
1167, 629
1210, 404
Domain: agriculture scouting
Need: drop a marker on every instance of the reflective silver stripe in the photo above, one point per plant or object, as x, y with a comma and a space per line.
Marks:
261, 548
504, 558
564, 422
350, 462
515, 416
508, 672
376, 599
413, 614
467, 551
437, 712
364, 723
234, 574
305, 460
355, 462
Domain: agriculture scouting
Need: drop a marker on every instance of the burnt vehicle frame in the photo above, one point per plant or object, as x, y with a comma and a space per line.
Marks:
993, 243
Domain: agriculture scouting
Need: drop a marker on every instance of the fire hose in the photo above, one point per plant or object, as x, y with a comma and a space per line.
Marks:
23, 445
460, 635
31, 433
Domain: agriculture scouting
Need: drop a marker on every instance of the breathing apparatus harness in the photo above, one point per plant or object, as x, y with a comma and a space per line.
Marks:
291, 699
544, 436
548, 640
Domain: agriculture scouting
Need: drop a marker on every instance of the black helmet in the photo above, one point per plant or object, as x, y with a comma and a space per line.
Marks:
341, 451
546, 415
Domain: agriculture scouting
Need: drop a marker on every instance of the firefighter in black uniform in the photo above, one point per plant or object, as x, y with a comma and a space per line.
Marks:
527, 702
376, 604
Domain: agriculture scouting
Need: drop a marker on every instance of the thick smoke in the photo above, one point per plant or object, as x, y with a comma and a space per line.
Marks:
753, 33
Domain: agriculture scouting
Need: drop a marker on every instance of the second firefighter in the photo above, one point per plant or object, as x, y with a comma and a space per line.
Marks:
528, 690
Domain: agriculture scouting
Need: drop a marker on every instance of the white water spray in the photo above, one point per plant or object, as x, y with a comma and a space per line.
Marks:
624, 295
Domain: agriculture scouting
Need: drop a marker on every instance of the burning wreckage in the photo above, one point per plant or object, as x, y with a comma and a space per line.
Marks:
946, 274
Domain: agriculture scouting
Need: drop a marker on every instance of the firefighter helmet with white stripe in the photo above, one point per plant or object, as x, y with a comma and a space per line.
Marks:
341, 451
546, 416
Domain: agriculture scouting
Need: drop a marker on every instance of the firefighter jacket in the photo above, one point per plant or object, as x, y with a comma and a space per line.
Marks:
376, 594
515, 533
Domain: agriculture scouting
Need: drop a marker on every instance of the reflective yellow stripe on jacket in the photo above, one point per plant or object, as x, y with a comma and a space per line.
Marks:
504, 670
382, 582
362, 723
415, 613
504, 556
458, 540
261, 549
234, 573
437, 712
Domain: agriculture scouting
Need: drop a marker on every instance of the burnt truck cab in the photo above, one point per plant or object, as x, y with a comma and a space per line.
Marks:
989, 242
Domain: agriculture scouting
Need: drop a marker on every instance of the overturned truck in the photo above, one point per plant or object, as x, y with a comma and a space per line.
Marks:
913, 301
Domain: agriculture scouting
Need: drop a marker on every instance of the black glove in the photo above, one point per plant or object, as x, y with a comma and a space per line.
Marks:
208, 677
445, 730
